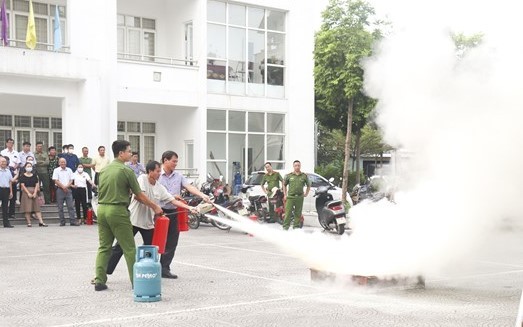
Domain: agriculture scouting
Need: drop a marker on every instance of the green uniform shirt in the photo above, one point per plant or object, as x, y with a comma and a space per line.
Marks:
272, 180
296, 183
86, 160
42, 162
115, 181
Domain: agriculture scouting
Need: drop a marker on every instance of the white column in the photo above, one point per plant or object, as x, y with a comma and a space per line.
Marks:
91, 118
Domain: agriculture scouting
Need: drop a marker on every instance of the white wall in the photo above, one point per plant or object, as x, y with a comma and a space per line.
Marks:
170, 16
300, 86
174, 125
178, 86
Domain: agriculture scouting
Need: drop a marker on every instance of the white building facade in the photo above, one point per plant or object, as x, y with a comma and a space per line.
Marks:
226, 85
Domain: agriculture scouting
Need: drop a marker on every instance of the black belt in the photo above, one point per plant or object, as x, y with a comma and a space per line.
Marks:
7, 187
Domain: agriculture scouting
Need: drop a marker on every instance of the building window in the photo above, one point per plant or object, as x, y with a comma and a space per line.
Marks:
245, 50
31, 129
248, 138
136, 38
142, 137
44, 22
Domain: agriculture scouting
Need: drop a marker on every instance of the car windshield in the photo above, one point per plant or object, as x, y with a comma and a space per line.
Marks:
255, 179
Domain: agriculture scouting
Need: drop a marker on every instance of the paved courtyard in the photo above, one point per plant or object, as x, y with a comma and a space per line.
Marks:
231, 279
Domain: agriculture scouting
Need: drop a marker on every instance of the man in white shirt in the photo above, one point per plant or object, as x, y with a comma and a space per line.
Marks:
14, 166
63, 179
25, 153
142, 217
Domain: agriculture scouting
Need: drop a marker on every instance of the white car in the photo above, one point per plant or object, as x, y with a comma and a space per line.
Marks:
309, 203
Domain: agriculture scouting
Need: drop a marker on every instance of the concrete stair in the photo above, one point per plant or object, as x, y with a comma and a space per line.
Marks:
49, 215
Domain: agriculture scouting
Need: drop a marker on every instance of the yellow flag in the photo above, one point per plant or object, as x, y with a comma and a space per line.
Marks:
30, 37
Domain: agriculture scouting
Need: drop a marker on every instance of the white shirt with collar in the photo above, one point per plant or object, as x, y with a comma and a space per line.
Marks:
23, 157
64, 176
14, 157
80, 180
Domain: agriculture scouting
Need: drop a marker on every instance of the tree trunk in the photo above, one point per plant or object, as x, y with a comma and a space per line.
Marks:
345, 183
358, 154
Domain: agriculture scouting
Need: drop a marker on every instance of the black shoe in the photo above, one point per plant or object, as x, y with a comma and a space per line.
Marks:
75, 224
100, 287
9, 226
62, 224
168, 274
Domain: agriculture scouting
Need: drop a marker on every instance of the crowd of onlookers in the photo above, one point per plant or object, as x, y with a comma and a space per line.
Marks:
30, 179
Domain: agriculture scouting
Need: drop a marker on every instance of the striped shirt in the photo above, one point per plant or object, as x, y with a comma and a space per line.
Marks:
173, 183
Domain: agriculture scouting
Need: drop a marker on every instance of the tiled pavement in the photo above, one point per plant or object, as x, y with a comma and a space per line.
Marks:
231, 279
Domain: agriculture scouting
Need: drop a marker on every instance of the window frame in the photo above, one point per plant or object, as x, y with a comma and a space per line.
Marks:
142, 55
229, 85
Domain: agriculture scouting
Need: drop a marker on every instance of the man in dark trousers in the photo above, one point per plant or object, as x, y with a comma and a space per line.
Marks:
116, 181
173, 182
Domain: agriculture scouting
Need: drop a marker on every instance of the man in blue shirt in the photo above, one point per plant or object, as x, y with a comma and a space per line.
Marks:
173, 182
6, 190
70, 157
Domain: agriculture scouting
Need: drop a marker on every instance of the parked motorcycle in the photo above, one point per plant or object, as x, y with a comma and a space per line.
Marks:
214, 188
331, 213
258, 205
276, 199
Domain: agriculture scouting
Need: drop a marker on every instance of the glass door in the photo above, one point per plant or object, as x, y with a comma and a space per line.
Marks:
4, 135
22, 135
42, 136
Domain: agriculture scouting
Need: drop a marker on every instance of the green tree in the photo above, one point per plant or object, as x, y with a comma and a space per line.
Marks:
465, 42
372, 142
346, 38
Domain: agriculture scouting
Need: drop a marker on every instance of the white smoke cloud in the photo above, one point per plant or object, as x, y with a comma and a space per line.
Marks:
460, 119
461, 122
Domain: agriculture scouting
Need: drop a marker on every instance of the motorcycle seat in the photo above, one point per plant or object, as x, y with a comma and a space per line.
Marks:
254, 198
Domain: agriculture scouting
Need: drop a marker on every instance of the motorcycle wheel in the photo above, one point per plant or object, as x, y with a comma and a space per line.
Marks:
340, 229
218, 224
262, 215
280, 218
194, 221
323, 224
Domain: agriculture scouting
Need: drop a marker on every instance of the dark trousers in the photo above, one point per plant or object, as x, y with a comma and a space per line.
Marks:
44, 179
4, 197
117, 252
80, 198
89, 192
52, 191
172, 239
12, 202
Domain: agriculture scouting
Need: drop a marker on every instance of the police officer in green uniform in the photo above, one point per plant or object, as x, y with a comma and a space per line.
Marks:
296, 181
272, 179
115, 182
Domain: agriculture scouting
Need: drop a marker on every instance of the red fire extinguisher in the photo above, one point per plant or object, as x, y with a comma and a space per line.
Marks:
161, 227
183, 219
89, 220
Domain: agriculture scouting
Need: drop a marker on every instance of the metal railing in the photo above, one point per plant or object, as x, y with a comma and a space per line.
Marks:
41, 46
156, 59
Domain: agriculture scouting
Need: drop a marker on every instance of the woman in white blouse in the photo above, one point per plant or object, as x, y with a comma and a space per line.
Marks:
80, 180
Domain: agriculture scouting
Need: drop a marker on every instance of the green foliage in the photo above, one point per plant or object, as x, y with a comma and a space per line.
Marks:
346, 38
372, 141
330, 145
466, 42
335, 169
